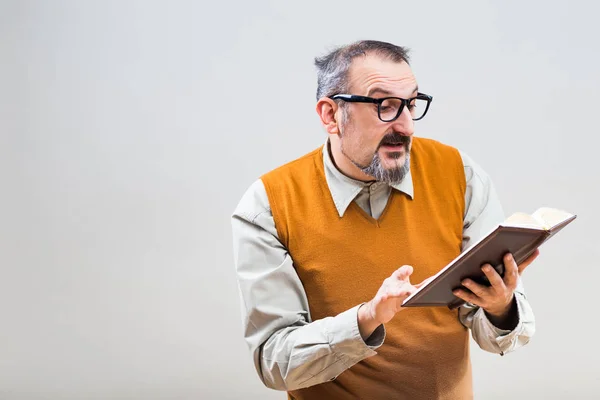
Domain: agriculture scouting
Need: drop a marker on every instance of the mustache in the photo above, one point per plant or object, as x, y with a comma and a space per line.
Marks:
395, 139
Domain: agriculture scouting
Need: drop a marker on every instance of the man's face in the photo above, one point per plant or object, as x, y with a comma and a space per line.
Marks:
380, 149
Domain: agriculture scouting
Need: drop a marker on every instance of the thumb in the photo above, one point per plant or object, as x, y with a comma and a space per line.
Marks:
521, 267
403, 273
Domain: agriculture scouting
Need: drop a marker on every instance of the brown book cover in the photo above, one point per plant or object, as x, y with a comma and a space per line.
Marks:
521, 235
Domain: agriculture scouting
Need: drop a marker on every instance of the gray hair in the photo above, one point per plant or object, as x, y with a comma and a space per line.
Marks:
332, 68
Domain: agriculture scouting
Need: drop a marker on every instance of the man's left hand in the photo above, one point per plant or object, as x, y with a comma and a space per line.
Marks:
497, 299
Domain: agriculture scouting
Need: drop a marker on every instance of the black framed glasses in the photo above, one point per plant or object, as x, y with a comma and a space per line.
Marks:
390, 108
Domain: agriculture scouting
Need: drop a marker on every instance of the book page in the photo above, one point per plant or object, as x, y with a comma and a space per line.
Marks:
520, 219
551, 216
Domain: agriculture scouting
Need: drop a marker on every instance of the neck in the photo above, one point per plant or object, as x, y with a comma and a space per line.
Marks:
343, 164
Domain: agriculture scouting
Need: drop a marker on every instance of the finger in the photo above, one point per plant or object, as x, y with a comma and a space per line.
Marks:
477, 289
402, 291
424, 282
468, 297
529, 260
494, 278
511, 272
403, 273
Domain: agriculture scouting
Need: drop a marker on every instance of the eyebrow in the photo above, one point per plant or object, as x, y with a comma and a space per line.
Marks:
386, 92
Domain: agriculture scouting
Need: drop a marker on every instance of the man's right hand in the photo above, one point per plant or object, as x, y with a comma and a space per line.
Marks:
387, 302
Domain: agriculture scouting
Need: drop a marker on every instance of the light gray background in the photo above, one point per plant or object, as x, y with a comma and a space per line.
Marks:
130, 129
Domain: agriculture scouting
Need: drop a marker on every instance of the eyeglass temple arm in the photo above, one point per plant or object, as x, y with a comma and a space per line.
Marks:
355, 98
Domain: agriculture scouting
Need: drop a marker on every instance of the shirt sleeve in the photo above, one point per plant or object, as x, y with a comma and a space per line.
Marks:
290, 351
483, 212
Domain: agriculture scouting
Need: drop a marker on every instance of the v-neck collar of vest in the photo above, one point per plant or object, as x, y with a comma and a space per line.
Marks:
344, 189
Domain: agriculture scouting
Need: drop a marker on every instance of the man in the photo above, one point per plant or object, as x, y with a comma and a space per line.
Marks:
328, 246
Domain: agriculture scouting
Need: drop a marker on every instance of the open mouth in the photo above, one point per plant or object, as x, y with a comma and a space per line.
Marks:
393, 146
395, 142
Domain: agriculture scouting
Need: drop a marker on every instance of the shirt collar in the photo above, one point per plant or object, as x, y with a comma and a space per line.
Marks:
345, 189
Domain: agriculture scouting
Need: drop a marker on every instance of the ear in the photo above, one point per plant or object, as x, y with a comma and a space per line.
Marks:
327, 110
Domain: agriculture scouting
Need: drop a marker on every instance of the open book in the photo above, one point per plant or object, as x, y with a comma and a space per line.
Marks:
521, 234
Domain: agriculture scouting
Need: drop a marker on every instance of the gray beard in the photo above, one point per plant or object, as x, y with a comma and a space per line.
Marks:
381, 174
375, 169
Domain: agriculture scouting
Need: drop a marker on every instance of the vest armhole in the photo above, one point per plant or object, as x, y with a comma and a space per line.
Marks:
274, 205
463, 178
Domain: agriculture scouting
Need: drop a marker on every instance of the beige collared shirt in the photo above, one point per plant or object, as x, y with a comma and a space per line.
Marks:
290, 350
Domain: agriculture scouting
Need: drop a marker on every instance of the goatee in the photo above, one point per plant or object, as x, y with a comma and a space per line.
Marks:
395, 174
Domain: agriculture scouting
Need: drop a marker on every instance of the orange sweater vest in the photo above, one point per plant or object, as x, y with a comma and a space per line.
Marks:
343, 261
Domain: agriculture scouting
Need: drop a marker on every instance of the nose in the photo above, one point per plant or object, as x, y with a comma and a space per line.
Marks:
404, 124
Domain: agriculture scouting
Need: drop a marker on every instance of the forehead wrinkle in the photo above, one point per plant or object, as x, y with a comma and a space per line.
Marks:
372, 79
395, 86
385, 81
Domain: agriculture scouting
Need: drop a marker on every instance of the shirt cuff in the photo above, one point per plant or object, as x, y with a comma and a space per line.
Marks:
345, 339
503, 337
